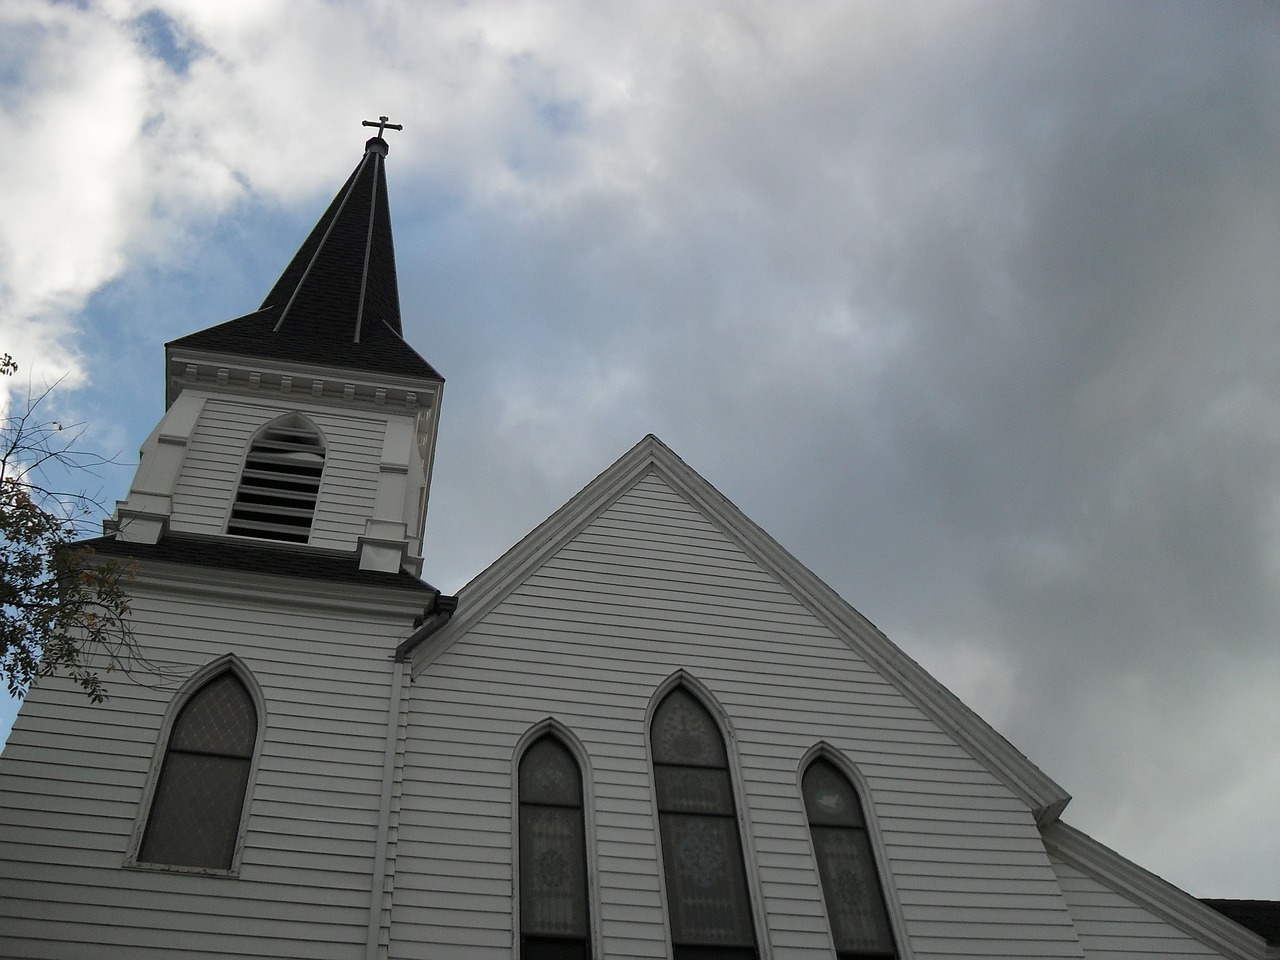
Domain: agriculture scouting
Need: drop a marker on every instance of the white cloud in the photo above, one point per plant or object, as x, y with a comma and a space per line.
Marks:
71, 180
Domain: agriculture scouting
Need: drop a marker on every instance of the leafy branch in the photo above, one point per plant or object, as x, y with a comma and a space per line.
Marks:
63, 610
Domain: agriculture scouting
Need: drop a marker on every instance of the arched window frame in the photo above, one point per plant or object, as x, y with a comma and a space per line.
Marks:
285, 420
228, 663
888, 890
746, 837
570, 741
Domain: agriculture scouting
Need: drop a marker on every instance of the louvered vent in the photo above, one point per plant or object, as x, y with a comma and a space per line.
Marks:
280, 484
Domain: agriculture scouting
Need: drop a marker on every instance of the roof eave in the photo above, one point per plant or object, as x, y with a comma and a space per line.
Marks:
220, 370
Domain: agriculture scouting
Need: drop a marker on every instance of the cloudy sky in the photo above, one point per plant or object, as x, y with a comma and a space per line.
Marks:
973, 306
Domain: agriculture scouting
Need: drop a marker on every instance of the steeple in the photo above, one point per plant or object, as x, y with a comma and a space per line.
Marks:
308, 425
337, 302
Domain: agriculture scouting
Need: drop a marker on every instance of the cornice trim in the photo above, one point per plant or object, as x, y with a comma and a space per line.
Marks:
249, 376
367, 600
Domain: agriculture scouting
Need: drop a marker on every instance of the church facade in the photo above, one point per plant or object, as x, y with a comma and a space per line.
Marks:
646, 731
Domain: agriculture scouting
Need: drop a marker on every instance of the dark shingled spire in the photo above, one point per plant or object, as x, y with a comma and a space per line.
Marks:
337, 303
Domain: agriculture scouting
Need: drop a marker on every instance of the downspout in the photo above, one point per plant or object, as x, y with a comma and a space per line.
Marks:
434, 617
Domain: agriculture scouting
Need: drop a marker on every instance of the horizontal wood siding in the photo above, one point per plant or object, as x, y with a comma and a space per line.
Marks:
649, 587
215, 455
72, 778
1113, 927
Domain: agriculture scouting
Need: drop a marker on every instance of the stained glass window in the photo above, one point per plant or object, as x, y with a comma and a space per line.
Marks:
195, 811
846, 865
553, 858
707, 897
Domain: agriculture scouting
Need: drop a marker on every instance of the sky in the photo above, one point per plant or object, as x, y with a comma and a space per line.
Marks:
972, 306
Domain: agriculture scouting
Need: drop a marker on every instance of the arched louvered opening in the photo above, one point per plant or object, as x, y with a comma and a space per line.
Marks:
707, 897
846, 865
277, 496
198, 800
554, 911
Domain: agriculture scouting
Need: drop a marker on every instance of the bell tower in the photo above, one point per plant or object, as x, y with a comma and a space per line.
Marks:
309, 422
235, 794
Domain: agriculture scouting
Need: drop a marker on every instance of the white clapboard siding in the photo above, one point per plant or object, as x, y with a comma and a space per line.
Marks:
210, 472
1114, 927
72, 778
648, 587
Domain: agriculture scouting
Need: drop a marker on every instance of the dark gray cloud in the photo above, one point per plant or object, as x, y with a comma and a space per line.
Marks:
983, 331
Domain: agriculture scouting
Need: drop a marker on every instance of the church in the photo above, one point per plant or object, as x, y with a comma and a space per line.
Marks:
645, 731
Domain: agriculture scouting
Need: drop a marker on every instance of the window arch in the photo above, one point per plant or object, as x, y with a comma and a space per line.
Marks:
198, 801
554, 903
846, 865
707, 897
280, 483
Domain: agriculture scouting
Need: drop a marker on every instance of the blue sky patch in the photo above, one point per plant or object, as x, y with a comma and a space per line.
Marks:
163, 38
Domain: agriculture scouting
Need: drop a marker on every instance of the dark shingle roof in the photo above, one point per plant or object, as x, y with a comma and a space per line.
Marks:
337, 302
1260, 916
260, 558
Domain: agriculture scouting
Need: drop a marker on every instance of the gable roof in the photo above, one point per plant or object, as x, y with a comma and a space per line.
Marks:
337, 302
1260, 916
1228, 934
1045, 798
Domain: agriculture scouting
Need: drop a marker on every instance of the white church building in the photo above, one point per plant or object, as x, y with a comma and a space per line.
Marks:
646, 731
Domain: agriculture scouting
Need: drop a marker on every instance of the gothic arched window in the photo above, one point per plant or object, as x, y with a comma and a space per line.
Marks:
554, 915
199, 797
707, 898
276, 499
846, 864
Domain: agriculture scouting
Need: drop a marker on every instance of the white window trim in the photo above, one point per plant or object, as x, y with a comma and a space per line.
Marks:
746, 836
572, 743
822, 750
226, 663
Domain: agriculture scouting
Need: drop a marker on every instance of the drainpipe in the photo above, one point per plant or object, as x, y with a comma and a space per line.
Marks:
435, 616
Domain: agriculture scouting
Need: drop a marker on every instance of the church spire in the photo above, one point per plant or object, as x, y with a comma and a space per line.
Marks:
337, 302
309, 423
346, 268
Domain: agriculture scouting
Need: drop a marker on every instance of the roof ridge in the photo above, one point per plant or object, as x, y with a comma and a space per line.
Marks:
368, 240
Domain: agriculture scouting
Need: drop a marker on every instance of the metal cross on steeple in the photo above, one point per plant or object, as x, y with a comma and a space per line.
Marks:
382, 125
